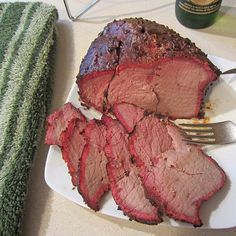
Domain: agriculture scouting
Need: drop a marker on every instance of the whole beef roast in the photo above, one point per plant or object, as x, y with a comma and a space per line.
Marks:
127, 189
93, 180
146, 64
175, 175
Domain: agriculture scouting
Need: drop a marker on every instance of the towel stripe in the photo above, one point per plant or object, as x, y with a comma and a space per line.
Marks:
3, 10
27, 69
21, 72
9, 19
13, 47
23, 136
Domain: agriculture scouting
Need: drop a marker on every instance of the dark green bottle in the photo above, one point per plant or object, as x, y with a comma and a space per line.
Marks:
197, 14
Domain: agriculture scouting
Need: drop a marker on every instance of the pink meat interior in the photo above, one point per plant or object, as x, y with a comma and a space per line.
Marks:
170, 87
176, 175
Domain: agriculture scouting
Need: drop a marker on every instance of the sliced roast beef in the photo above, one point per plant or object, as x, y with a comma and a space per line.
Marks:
176, 175
148, 65
82, 147
126, 186
135, 68
72, 144
128, 115
58, 121
93, 88
93, 180
168, 87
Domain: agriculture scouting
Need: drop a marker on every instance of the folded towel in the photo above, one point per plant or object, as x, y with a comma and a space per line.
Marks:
27, 47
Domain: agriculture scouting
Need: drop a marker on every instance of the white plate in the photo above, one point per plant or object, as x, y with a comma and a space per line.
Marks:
220, 210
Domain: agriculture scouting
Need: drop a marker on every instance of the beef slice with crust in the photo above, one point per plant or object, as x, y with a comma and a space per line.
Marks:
93, 180
58, 121
72, 145
175, 175
126, 186
128, 115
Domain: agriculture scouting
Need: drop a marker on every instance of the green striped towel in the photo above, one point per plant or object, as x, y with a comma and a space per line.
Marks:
27, 49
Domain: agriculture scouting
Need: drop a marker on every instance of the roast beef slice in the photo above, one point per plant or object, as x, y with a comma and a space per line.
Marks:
93, 180
175, 175
58, 121
126, 186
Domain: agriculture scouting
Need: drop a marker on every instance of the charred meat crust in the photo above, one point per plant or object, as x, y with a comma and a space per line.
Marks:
137, 40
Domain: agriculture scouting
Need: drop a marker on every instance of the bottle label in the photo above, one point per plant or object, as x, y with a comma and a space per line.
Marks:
200, 7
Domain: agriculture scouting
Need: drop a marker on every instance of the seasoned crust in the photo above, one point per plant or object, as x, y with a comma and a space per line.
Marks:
137, 40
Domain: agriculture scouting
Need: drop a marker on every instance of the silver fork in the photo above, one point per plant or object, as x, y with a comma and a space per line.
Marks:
231, 71
212, 133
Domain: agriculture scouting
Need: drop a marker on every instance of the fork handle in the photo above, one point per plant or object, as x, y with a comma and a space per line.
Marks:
231, 71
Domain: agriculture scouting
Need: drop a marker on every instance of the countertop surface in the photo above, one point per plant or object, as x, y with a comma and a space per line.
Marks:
47, 212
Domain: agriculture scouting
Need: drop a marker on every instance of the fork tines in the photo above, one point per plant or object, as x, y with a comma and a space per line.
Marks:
197, 133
